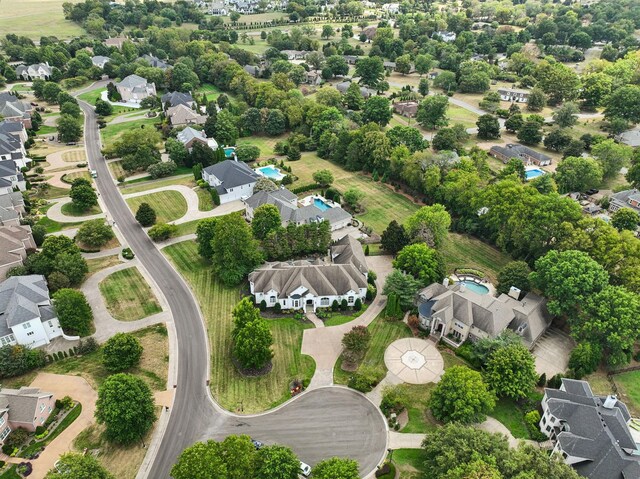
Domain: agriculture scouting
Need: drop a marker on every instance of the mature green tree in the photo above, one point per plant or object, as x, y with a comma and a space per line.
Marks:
612, 156
71, 109
83, 196
121, 352
394, 238
235, 252
377, 109
275, 123
422, 262
73, 311
201, 461
336, 468
277, 462
178, 153
204, 234
252, 344
624, 102
266, 218
103, 108
514, 122
595, 88
633, 175
353, 98
625, 219
408, 136
225, 130
403, 286
430, 223
125, 406
515, 273
324, 178
327, 32
558, 81
566, 115
56, 245
530, 133
478, 469
69, 129
73, 265
568, 278
337, 64
73, 465
461, 396
558, 140
135, 139
162, 231
578, 174
353, 196
94, 233
446, 81
403, 64
585, 359
423, 63
146, 215
432, 112
247, 153
329, 96
537, 100
488, 127
182, 78
370, 70
264, 184
514, 166
611, 319
423, 87
355, 342
511, 371
485, 347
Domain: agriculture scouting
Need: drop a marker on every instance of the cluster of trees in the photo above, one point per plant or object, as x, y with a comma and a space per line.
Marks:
82, 194
237, 457
70, 121
138, 148
73, 465
59, 260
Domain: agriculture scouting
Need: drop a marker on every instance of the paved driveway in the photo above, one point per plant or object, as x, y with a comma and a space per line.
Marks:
552, 352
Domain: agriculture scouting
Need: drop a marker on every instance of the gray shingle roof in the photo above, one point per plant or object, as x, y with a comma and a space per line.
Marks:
21, 298
232, 173
176, 98
133, 81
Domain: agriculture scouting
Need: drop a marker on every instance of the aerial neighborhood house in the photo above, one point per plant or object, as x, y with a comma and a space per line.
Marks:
445, 36
11, 207
625, 199
366, 92
527, 155
12, 144
516, 96
295, 54
287, 204
233, 180
115, 42
26, 407
456, 313
309, 285
11, 178
313, 77
100, 61
16, 241
154, 61
253, 70
408, 109
14, 110
590, 432
350, 59
189, 136
176, 98
181, 115
218, 8
37, 71
135, 89
392, 8
27, 316
370, 32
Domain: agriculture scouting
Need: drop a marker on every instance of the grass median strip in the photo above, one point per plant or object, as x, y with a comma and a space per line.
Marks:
128, 296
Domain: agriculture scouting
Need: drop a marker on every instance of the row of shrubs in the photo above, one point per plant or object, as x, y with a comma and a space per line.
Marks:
85, 346
335, 306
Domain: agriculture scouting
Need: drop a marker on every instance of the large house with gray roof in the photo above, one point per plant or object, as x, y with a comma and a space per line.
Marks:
176, 98
11, 208
311, 284
189, 136
625, 199
287, 204
100, 61
233, 180
12, 109
27, 316
25, 408
456, 314
590, 432
154, 61
181, 115
134, 89
11, 178
37, 71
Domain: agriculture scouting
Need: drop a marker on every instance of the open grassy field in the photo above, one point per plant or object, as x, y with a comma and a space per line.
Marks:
461, 115
117, 171
92, 95
128, 296
628, 385
37, 18
410, 463
230, 389
98, 264
381, 203
212, 91
111, 132
265, 143
168, 205
420, 419
461, 251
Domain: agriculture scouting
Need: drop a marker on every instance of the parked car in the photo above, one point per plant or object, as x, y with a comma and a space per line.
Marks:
257, 444
94, 174
305, 469
592, 191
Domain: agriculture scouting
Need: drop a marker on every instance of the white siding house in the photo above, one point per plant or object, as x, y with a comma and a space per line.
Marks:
233, 180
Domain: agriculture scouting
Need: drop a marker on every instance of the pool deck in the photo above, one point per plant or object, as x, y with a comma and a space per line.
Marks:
310, 200
462, 277
277, 176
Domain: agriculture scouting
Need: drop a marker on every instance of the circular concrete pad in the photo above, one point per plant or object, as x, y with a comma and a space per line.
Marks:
414, 361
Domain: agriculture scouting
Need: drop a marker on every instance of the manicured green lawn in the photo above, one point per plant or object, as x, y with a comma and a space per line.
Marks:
70, 209
212, 91
46, 130
128, 296
629, 387
410, 463
37, 18
462, 251
461, 115
381, 203
187, 228
146, 185
337, 318
92, 95
265, 143
420, 419
383, 333
168, 205
512, 416
110, 133
98, 264
70, 177
230, 389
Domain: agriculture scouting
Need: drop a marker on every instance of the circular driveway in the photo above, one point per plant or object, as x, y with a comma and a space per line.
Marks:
414, 361
322, 423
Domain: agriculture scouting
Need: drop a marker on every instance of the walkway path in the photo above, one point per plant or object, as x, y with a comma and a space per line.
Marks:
317, 322
61, 385
55, 213
58, 167
191, 197
103, 253
106, 325
403, 440
493, 425
324, 345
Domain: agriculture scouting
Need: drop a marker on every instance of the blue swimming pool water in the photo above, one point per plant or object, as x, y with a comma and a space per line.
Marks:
475, 287
229, 151
534, 173
271, 172
321, 205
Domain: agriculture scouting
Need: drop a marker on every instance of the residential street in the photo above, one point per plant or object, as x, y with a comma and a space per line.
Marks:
309, 424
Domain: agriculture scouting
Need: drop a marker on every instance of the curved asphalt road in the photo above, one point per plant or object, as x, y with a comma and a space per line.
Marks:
319, 424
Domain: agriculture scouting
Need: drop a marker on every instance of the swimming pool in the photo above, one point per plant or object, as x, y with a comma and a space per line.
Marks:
321, 205
228, 151
271, 172
475, 287
533, 173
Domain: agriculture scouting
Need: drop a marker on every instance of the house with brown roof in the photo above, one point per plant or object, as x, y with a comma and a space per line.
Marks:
16, 241
115, 42
182, 115
25, 408
311, 284
408, 109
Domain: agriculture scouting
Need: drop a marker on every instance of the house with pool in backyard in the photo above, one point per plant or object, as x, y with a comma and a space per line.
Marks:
466, 310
